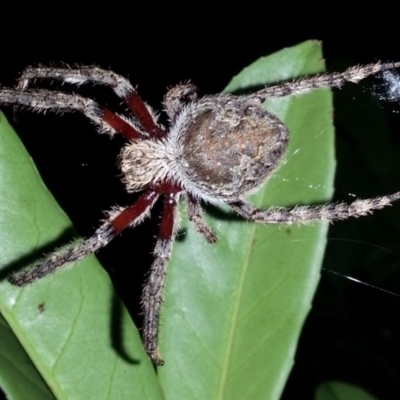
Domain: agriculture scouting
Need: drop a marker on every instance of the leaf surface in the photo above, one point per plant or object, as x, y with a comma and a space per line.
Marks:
64, 323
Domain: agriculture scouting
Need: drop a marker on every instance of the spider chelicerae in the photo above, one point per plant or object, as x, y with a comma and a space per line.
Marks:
216, 149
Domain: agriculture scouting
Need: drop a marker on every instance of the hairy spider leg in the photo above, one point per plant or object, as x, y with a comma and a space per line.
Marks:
132, 215
152, 293
195, 215
328, 80
42, 100
120, 85
310, 214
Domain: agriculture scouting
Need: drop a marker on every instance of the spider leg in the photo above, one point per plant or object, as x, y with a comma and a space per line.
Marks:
43, 100
121, 87
304, 214
195, 214
152, 293
329, 80
131, 215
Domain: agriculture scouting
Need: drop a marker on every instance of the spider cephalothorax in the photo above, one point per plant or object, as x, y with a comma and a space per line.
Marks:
216, 149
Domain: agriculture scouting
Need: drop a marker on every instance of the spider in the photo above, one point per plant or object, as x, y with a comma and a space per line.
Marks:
216, 149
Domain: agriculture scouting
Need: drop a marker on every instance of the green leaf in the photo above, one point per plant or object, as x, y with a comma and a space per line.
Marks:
64, 323
233, 311
341, 391
15, 364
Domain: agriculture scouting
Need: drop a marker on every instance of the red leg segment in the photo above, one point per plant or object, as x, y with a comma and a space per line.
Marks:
133, 212
167, 222
139, 109
121, 126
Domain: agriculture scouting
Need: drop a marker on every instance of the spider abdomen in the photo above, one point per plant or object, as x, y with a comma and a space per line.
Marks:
229, 147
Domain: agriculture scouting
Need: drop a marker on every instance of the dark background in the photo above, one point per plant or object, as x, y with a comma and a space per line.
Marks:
352, 333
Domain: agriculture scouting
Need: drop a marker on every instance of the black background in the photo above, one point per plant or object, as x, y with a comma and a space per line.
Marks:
352, 333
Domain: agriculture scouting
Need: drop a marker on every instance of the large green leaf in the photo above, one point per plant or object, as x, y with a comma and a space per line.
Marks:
63, 322
233, 311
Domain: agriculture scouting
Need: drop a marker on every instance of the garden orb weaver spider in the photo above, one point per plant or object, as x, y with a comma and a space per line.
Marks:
217, 149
